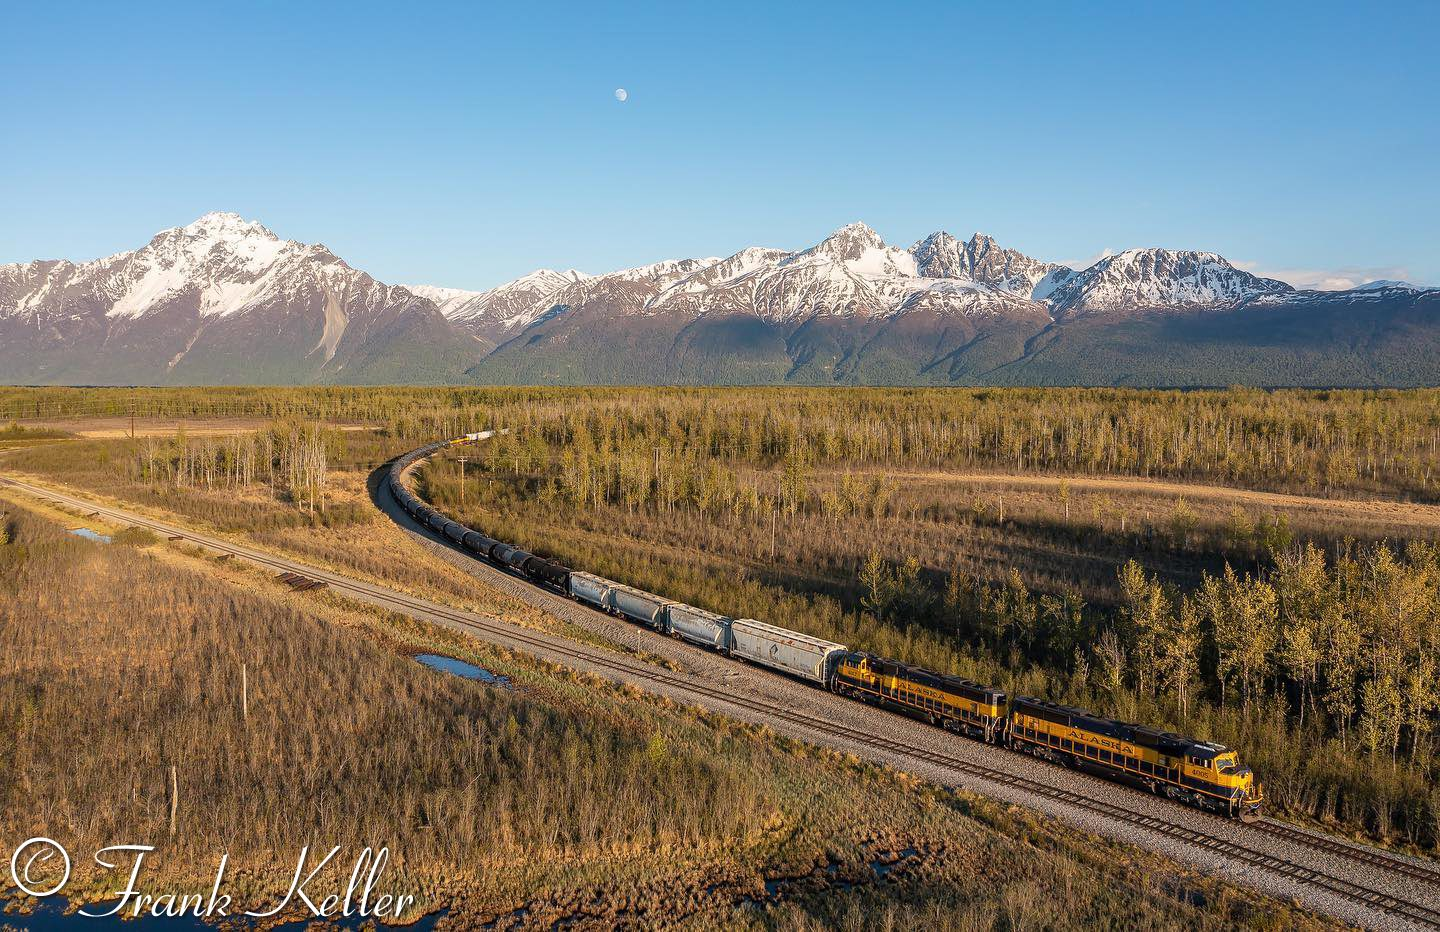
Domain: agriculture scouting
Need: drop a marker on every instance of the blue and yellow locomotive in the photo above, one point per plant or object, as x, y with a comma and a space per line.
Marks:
1198, 773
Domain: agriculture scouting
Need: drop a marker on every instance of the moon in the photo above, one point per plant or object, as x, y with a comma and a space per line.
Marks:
621, 94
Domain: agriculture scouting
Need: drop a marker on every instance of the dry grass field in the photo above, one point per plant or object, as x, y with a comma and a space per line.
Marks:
557, 799
1284, 541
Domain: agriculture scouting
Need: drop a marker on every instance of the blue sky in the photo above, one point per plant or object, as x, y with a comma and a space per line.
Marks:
466, 145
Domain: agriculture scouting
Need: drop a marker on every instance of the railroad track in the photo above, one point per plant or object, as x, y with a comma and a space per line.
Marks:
1345, 849
494, 630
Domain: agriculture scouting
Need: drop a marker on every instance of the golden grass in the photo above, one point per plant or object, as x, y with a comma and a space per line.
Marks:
563, 797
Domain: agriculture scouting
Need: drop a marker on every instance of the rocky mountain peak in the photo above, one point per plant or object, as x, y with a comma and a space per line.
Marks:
940, 255
224, 224
1160, 278
849, 243
983, 260
219, 299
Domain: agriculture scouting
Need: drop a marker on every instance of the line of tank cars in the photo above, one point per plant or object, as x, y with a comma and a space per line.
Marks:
1194, 772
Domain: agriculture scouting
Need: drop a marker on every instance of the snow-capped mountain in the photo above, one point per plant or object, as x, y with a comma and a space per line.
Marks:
852, 272
625, 292
492, 315
941, 255
220, 299
499, 312
222, 261
1381, 284
855, 273
224, 299
1148, 279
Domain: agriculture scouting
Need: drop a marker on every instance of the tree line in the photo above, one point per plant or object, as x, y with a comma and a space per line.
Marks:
1323, 441
1385, 440
291, 461
1350, 644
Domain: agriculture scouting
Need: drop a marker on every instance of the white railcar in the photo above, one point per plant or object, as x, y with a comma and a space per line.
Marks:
699, 626
590, 589
638, 605
799, 654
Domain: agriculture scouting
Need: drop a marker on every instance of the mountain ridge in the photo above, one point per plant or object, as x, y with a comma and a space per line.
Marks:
224, 299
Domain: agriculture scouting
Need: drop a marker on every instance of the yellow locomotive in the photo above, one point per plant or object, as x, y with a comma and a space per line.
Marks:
951, 702
1194, 772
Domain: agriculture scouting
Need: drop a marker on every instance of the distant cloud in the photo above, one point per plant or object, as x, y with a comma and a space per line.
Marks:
1340, 279
1105, 253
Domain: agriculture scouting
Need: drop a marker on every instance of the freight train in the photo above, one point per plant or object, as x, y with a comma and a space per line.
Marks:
1196, 773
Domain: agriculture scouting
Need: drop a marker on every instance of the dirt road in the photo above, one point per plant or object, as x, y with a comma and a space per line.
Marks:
1393, 512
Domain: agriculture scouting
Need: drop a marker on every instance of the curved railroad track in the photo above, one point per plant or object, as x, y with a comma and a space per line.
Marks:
1416, 912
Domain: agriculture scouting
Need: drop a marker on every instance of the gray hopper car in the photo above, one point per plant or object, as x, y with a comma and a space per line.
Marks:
590, 589
699, 626
638, 605
790, 651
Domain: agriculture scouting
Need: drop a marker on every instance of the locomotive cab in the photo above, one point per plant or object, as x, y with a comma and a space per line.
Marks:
1245, 794
1218, 770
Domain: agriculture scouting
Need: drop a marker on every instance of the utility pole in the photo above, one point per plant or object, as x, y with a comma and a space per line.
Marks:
132, 414
462, 480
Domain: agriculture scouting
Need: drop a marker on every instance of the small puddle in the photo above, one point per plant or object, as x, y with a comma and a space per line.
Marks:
460, 668
882, 867
88, 534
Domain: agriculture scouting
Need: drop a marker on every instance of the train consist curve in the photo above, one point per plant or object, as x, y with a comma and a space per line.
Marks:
1193, 772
